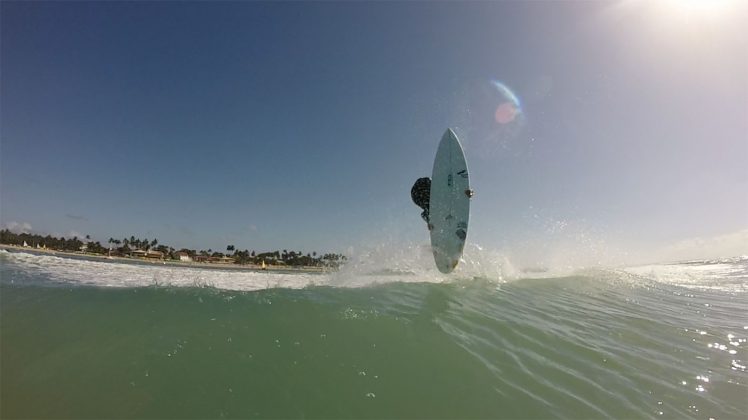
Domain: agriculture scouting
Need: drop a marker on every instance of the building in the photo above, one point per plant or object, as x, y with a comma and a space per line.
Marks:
225, 260
154, 255
183, 256
139, 253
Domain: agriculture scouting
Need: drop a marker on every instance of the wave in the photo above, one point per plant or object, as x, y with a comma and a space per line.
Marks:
508, 343
725, 274
375, 266
117, 274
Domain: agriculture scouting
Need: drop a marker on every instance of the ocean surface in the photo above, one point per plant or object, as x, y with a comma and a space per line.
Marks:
381, 338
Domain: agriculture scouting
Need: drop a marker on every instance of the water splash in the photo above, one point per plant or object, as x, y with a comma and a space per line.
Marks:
379, 264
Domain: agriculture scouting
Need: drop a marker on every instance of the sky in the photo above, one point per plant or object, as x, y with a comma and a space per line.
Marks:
593, 128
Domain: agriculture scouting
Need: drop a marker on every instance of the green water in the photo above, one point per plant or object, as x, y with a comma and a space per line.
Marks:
595, 345
575, 347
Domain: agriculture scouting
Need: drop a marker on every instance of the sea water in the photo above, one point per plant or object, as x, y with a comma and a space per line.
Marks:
377, 339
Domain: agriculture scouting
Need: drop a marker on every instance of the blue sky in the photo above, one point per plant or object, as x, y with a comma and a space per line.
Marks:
303, 125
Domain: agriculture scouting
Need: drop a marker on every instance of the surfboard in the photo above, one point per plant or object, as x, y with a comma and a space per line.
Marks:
449, 205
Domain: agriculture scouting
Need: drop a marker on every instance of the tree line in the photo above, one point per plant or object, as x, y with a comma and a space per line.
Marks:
126, 246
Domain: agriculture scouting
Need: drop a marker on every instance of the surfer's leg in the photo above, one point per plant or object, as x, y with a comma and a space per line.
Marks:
425, 216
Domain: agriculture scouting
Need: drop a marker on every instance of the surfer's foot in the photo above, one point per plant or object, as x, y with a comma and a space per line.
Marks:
470, 193
430, 226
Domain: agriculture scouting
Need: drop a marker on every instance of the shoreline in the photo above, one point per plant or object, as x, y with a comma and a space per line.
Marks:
214, 266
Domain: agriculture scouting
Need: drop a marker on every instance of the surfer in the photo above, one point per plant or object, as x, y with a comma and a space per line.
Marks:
421, 195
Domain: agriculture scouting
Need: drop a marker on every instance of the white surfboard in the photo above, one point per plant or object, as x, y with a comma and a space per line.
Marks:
449, 206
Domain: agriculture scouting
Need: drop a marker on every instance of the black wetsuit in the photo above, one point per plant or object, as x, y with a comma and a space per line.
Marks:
421, 194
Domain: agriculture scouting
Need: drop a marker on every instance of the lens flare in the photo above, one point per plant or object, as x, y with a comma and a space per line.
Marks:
504, 90
505, 113
488, 117
509, 107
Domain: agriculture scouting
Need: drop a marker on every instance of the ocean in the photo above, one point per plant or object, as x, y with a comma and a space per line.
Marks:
380, 338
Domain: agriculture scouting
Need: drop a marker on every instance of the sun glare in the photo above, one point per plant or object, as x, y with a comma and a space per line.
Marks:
703, 5
694, 8
685, 18
687, 10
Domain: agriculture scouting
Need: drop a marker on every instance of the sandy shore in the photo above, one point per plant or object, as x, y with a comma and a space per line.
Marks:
251, 267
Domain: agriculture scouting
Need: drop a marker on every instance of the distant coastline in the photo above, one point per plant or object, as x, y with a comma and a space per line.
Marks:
151, 252
176, 263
